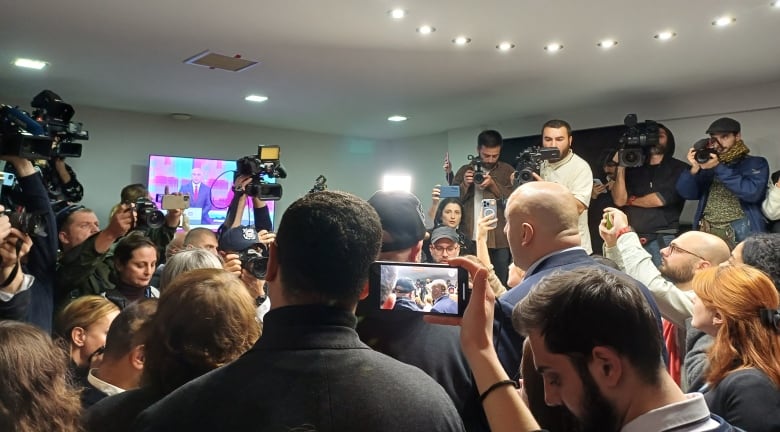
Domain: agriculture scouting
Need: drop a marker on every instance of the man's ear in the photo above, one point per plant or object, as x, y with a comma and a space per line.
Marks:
606, 366
528, 233
703, 265
273, 264
138, 357
63, 236
78, 336
414, 254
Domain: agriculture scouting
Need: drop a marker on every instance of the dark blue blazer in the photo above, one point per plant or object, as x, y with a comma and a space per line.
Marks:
509, 344
203, 201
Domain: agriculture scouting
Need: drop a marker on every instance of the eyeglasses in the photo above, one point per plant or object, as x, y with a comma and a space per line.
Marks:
673, 248
611, 164
451, 249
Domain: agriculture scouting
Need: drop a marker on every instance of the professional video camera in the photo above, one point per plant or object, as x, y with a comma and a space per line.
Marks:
703, 150
529, 161
264, 164
147, 215
254, 262
636, 141
22, 136
54, 115
479, 170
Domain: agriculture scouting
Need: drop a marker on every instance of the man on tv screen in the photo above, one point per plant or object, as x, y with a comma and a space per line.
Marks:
200, 194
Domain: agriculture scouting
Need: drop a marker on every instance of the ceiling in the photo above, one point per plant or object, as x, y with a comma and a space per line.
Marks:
344, 66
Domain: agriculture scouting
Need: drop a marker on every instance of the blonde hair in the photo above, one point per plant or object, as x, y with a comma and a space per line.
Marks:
82, 312
738, 293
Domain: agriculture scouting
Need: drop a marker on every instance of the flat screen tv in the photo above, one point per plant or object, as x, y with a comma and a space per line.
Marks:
208, 207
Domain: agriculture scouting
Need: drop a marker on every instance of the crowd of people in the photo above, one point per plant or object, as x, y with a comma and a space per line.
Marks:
148, 328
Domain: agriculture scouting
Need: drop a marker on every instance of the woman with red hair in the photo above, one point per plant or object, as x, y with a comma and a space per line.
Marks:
739, 306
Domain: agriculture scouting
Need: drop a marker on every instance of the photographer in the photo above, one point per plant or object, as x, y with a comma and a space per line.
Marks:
244, 253
496, 184
730, 185
86, 264
570, 171
15, 292
771, 205
61, 182
37, 224
648, 195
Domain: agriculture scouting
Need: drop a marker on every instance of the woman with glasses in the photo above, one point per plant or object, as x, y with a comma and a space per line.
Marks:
739, 307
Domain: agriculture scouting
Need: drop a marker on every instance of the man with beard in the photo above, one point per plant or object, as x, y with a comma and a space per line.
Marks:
594, 341
670, 283
648, 195
570, 171
497, 184
730, 186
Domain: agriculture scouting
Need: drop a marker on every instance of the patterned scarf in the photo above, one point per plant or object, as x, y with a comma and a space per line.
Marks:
735, 153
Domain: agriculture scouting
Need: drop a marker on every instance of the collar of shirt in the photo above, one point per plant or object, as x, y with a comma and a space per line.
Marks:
536, 263
108, 389
689, 415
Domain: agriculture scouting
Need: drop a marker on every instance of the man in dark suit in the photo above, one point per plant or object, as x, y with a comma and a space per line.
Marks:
542, 229
309, 371
200, 194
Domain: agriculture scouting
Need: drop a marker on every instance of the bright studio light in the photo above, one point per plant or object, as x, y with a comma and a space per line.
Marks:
397, 182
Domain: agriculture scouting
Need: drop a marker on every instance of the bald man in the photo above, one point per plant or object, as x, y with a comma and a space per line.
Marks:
670, 283
544, 237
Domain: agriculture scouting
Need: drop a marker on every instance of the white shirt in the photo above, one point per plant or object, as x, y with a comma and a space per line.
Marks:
27, 281
690, 415
575, 174
108, 389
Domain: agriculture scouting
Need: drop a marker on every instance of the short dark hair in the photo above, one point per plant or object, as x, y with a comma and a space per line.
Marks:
489, 138
325, 244
580, 309
557, 124
775, 176
122, 335
132, 192
129, 243
762, 251
440, 209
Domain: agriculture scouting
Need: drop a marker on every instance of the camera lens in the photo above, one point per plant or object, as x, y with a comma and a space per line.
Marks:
155, 219
479, 177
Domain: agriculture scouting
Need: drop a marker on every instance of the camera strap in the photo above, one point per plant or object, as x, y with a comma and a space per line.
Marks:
15, 271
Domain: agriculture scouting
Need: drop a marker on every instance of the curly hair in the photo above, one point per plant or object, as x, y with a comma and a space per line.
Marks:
33, 370
205, 319
738, 292
762, 251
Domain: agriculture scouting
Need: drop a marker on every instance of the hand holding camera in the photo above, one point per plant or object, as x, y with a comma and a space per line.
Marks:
16, 245
122, 221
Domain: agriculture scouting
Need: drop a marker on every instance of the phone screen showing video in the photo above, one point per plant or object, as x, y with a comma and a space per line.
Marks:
418, 287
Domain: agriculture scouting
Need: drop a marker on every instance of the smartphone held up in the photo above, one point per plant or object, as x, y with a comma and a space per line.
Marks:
425, 288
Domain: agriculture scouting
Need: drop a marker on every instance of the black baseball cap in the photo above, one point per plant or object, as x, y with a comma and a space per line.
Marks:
724, 125
402, 219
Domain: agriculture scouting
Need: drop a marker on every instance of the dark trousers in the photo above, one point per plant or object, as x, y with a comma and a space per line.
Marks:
501, 259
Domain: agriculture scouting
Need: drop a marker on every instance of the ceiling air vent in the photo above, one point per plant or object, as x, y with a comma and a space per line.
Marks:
218, 61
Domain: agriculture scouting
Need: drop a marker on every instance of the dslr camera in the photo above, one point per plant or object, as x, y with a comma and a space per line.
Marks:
636, 141
254, 262
479, 170
529, 162
32, 224
703, 150
264, 165
147, 215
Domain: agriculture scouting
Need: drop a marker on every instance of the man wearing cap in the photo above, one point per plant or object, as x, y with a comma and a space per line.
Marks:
444, 244
442, 302
404, 295
406, 337
730, 186
309, 371
247, 241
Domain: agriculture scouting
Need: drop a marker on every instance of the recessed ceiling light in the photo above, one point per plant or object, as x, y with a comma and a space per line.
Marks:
396, 118
505, 46
553, 47
256, 98
425, 30
397, 13
723, 21
30, 63
461, 40
607, 43
665, 35
775, 3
